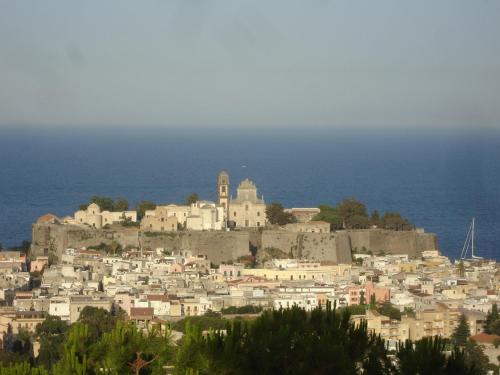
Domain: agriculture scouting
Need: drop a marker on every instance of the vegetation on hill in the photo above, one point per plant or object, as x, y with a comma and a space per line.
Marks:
290, 341
492, 325
269, 253
352, 214
107, 204
248, 309
276, 214
114, 248
192, 198
461, 333
144, 206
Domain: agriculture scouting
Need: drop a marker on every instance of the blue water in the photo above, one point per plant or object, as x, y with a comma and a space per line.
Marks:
438, 180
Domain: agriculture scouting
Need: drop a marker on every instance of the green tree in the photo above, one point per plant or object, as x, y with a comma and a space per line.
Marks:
74, 359
22, 368
120, 204
427, 356
127, 222
373, 302
491, 318
51, 335
119, 348
192, 356
375, 218
330, 215
359, 222
142, 207
462, 332
105, 203
387, 309
287, 341
394, 221
362, 299
98, 320
409, 311
276, 214
352, 212
475, 357
192, 198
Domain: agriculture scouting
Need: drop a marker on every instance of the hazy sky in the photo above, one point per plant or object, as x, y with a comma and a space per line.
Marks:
242, 63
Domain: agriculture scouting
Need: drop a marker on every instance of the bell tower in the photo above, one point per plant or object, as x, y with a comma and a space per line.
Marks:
223, 192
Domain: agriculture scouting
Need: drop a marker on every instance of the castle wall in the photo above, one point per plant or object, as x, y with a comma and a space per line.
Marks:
222, 246
218, 246
317, 246
392, 242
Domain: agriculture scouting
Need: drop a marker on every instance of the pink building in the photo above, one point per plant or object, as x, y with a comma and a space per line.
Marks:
382, 294
124, 301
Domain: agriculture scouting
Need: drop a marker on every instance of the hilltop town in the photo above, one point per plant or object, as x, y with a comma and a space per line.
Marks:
225, 257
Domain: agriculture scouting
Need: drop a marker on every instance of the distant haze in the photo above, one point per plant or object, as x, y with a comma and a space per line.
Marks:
250, 63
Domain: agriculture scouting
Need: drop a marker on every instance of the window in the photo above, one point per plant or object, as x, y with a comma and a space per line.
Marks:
258, 223
234, 213
223, 189
246, 207
258, 213
246, 223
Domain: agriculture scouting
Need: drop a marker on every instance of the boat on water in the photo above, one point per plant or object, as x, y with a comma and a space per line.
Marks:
469, 244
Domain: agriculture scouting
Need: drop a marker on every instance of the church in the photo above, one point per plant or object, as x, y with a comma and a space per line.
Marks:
247, 210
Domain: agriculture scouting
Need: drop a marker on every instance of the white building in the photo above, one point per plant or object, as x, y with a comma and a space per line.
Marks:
247, 210
93, 216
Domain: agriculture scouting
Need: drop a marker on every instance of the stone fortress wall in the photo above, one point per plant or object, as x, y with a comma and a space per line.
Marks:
315, 246
392, 242
222, 246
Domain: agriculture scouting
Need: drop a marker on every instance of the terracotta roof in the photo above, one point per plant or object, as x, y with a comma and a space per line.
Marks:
141, 311
47, 218
484, 338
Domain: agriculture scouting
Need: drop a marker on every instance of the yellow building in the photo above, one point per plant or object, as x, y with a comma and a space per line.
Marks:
320, 273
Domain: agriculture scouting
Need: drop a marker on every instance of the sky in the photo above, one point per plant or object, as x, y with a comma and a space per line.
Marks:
236, 63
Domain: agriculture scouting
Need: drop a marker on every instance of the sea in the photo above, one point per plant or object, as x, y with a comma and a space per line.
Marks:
437, 178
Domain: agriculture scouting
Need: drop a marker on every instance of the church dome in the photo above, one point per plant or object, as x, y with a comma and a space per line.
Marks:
247, 184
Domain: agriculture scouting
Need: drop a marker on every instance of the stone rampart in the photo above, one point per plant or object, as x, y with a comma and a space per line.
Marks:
224, 246
218, 246
332, 247
392, 242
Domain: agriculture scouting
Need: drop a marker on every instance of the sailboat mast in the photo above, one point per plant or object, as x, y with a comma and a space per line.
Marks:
472, 240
